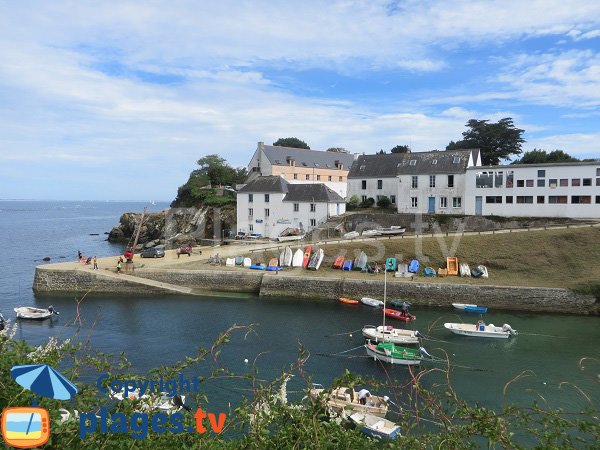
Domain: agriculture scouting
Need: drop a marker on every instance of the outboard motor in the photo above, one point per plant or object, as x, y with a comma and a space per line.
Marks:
508, 328
424, 352
177, 401
52, 310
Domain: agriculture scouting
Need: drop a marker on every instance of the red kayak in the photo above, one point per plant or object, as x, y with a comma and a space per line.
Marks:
307, 254
399, 315
348, 301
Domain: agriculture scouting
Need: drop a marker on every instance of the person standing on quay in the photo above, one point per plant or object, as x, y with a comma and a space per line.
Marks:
119, 266
95, 263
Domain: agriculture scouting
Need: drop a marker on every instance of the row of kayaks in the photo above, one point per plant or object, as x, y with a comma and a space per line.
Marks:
306, 259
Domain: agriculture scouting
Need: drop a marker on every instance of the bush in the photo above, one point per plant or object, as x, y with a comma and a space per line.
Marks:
367, 203
384, 202
352, 203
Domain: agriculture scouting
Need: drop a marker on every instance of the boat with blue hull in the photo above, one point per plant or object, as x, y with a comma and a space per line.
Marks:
376, 427
470, 308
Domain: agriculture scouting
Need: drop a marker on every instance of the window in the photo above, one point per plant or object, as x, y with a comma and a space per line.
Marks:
296, 207
540, 199
251, 227
393, 199
379, 184
552, 183
579, 199
456, 202
541, 173
313, 207
524, 199
587, 181
554, 199
364, 184
250, 198
564, 181
413, 162
510, 175
520, 183
456, 160
329, 178
484, 180
509, 199
434, 161
295, 176
341, 178
364, 198
431, 181
575, 182
318, 177
443, 202
529, 183
493, 199
598, 172
498, 178
597, 181
450, 180
541, 182
250, 211
313, 222
597, 199
415, 181
267, 197
267, 212
414, 202
307, 177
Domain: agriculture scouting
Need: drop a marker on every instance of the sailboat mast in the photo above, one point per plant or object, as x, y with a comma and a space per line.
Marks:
384, 296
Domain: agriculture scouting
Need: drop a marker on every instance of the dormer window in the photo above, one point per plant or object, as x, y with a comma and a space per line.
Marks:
291, 161
434, 161
413, 162
456, 160
362, 167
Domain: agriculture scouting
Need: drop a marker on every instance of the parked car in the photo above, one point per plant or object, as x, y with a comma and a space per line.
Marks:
152, 253
185, 250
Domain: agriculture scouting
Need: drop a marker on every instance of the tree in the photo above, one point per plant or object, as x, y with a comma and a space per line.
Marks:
367, 203
353, 203
337, 150
495, 140
291, 142
400, 149
384, 202
539, 156
380, 152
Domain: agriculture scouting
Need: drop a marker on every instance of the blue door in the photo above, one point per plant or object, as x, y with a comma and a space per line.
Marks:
478, 206
431, 205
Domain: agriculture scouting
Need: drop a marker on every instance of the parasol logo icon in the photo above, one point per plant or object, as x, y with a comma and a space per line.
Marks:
25, 427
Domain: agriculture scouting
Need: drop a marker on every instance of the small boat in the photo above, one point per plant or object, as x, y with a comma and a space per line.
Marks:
480, 329
470, 308
452, 265
239, 260
414, 266
297, 259
442, 272
371, 233
347, 265
162, 402
376, 427
394, 354
348, 301
258, 266
403, 271
388, 333
343, 400
316, 260
27, 312
306, 259
464, 270
351, 235
371, 302
429, 272
399, 315
391, 264
230, 262
290, 238
391, 230
338, 263
285, 259
479, 272
273, 268
247, 262
361, 261
272, 262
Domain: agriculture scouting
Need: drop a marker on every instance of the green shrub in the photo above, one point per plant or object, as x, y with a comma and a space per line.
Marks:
384, 202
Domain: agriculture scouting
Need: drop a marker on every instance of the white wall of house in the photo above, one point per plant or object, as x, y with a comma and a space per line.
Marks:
369, 187
259, 164
556, 190
446, 197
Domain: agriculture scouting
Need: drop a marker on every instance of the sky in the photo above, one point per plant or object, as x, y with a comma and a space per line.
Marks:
119, 99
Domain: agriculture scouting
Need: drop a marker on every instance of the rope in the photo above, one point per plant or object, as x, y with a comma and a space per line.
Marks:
544, 335
340, 353
343, 334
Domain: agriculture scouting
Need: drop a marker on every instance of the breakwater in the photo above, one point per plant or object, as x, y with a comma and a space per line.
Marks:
306, 286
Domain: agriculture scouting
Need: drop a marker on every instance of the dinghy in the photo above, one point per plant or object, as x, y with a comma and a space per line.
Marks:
465, 270
452, 265
391, 230
306, 259
247, 262
361, 262
399, 315
371, 302
272, 262
343, 399
257, 266
414, 266
442, 272
297, 259
480, 329
230, 262
391, 264
349, 301
239, 260
285, 258
316, 260
394, 354
338, 263
429, 272
347, 265
376, 426
27, 312
470, 308
403, 271
351, 235
479, 272
390, 334
370, 233
273, 268
290, 238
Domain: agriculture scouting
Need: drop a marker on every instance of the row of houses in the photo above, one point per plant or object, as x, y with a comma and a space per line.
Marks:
299, 188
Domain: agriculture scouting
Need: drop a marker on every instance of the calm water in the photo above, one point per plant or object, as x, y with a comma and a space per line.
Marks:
161, 330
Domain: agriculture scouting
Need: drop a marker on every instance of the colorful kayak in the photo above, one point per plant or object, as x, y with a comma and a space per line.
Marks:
391, 264
338, 263
399, 315
470, 308
347, 265
307, 253
258, 266
349, 301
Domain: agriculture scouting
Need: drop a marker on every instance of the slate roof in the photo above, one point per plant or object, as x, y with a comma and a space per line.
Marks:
272, 183
307, 158
311, 193
425, 163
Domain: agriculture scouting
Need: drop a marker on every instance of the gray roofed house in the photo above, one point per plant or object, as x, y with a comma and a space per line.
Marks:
281, 156
266, 184
311, 193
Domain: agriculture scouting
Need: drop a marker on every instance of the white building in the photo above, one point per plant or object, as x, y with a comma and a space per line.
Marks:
301, 166
422, 182
534, 190
269, 205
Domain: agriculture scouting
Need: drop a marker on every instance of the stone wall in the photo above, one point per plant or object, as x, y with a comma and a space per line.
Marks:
208, 280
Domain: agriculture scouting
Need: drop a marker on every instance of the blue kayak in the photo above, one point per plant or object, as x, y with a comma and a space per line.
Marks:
470, 308
347, 265
257, 266
273, 268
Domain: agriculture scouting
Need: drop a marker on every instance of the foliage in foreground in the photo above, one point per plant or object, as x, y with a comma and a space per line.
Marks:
431, 417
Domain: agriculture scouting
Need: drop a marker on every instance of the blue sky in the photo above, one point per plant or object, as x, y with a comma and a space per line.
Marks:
117, 100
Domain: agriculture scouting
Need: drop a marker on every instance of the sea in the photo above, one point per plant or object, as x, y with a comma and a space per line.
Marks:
555, 359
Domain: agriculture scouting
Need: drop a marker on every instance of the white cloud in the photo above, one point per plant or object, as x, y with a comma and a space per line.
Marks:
580, 145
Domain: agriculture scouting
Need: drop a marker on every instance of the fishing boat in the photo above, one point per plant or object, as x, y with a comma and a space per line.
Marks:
399, 315
351, 235
338, 263
376, 427
394, 354
349, 301
297, 259
371, 302
285, 258
391, 230
343, 400
28, 312
371, 233
316, 260
390, 334
361, 261
347, 265
470, 308
480, 329
306, 259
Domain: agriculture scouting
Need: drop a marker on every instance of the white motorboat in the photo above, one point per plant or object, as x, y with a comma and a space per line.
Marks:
391, 230
369, 233
27, 312
351, 235
376, 427
343, 400
371, 302
480, 329
390, 334
464, 270
298, 258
